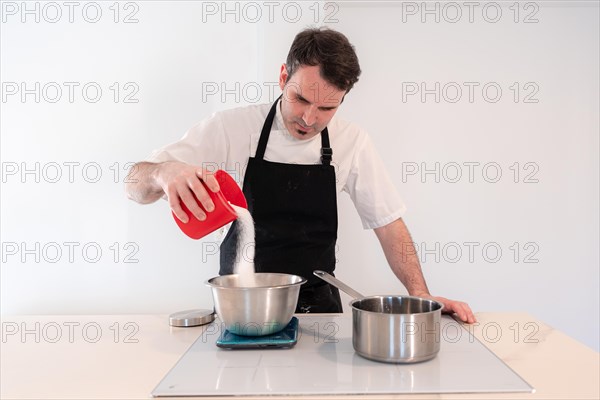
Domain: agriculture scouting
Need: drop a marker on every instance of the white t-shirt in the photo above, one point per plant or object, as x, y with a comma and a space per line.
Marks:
227, 139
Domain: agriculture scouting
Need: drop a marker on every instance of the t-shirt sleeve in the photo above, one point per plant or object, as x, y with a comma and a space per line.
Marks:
369, 185
205, 144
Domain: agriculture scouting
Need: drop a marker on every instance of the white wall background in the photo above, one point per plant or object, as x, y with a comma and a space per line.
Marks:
64, 158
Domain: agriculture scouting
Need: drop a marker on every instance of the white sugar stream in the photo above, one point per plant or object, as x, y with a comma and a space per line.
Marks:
244, 257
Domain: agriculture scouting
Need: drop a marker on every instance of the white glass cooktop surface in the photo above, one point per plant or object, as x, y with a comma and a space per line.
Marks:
324, 362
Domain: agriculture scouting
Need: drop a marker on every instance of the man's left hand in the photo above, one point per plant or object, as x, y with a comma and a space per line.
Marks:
461, 309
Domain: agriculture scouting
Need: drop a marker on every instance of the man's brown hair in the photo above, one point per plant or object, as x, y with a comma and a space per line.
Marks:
328, 49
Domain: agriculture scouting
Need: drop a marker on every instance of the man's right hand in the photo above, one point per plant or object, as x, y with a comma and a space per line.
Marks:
182, 182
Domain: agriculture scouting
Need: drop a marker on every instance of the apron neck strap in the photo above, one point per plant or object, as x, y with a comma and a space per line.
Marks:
326, 151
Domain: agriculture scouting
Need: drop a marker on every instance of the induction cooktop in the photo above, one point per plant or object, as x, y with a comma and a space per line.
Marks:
323, 362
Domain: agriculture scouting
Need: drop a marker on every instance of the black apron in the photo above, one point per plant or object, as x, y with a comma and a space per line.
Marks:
294, 207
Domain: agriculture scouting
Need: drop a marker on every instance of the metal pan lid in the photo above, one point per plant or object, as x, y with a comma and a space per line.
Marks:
189, 318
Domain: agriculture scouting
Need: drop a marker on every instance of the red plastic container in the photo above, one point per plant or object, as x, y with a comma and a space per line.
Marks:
222, 214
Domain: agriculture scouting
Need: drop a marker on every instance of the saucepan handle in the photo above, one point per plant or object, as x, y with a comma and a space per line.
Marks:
338, 284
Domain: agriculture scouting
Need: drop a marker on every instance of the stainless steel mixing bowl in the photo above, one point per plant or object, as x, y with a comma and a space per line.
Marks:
262, 309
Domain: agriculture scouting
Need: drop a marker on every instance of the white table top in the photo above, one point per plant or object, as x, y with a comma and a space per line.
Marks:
125, 356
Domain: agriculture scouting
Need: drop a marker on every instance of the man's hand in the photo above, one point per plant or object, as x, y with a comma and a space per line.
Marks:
183, 183
180, 182
461, 309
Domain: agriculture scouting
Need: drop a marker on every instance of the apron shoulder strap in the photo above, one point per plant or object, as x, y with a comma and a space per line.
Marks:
266, 131
326, 150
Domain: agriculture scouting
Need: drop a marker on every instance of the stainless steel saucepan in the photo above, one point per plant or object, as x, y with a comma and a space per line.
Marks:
393, 329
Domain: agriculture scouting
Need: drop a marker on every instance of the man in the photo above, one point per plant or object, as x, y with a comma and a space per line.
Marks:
290, 183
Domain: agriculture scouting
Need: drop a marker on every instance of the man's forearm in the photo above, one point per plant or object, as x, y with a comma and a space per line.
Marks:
401, 254
141, 185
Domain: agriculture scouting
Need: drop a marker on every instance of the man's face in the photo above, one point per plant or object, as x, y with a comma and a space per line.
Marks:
309, 102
